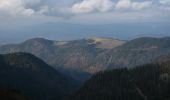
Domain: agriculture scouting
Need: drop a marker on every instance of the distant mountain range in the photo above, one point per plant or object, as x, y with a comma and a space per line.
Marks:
77, 54
94, 54
121, 70
33, 78
136, 52
147, 82
69, 31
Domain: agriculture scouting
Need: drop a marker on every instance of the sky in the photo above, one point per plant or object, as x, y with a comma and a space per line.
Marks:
15, 14
86, 10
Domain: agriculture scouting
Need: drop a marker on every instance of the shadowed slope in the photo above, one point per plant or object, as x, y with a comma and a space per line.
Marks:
147, 82
33, 77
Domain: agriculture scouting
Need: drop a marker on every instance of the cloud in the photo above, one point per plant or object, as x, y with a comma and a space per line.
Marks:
49, 8
88, 6
165, 2
72, 9
22, 7
129, 5
63, 8
142, 5
123, 4
14, 7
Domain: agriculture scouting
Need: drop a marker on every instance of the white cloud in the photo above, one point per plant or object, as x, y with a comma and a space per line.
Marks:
68, 9
141, 5
14, 7
129, 5
31, 2
87, 6
165, 2
28, 12
20, 7
123, 4
43, 9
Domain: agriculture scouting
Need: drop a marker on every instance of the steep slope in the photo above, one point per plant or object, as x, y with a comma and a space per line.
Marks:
33, 78
79, 76
94, 54
148, 82
135, 52
75, 55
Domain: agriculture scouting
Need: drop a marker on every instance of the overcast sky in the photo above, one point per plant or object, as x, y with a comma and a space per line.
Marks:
85, 11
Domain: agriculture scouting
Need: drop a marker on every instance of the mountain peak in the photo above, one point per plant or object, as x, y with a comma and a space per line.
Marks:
43, 40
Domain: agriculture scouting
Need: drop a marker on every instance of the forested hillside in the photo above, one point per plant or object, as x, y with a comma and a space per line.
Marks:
147, 82
135, 52
34, 78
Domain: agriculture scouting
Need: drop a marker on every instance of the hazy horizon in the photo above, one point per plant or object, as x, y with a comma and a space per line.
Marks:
76, 19
84, 49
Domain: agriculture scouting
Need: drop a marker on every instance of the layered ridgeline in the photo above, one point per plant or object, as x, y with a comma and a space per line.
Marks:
147, 82
135, 52
77, 54
94, 54
33, 78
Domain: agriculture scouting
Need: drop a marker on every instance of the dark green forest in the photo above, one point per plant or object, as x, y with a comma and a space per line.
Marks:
33, 78
147, 82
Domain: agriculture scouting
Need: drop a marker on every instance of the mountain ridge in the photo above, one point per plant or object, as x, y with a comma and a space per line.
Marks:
76, 53
89, 55
33, 77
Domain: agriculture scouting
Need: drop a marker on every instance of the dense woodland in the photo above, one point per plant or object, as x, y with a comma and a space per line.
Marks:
147, 82
33, 78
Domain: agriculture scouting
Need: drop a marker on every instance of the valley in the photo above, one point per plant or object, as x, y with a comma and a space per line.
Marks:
84, 50
89, 68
